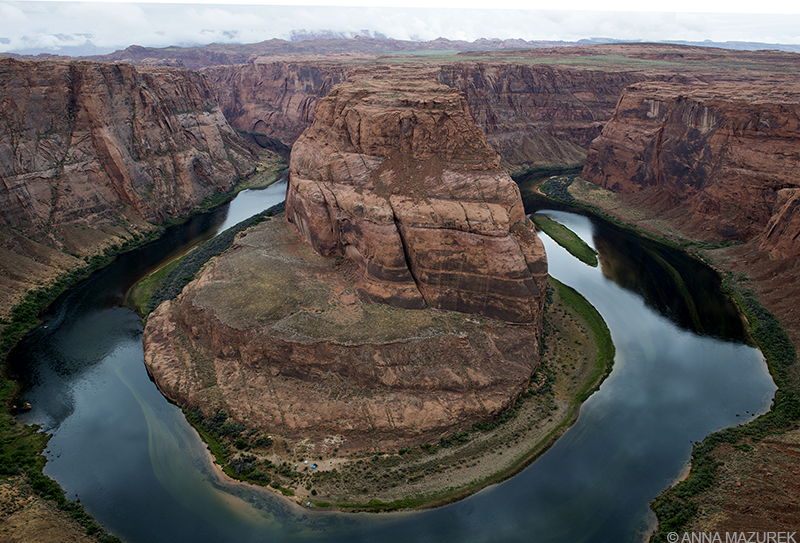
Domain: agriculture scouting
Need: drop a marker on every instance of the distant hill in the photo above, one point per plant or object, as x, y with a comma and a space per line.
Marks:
329, 43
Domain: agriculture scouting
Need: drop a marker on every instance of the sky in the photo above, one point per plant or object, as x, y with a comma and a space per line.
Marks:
93, 27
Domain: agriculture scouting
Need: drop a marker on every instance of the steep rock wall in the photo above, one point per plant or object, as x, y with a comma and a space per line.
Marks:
722, 160
277, 99
538, 115
395, 176
91, 152
532, 115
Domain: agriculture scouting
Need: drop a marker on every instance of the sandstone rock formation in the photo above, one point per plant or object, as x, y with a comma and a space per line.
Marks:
394, 175
723, 160
403, 202
92, 152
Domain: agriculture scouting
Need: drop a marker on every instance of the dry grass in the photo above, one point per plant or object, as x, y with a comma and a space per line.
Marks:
25, 517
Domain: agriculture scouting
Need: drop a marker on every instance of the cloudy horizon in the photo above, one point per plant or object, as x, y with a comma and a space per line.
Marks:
83, 28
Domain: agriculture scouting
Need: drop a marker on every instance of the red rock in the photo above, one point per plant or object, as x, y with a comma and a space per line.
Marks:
533, 115
277, 99
394, 175
83, 140
723, 160
92, 153
271, 334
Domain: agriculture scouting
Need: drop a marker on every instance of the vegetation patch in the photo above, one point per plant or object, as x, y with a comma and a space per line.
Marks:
141, 293
184, 271
568, 239
559, 188
599, 331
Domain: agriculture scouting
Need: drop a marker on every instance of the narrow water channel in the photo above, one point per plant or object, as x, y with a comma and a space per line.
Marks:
142, 471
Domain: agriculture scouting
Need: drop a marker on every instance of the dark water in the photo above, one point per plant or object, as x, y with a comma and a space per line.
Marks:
143, 472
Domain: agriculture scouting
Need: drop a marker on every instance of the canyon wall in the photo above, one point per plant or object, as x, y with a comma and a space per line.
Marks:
277, 99
538, 115
538, 107
395, 176
533, 115
91, 153
720, 160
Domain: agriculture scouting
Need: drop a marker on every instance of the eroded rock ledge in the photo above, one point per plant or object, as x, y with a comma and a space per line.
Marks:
390, 343
720, 161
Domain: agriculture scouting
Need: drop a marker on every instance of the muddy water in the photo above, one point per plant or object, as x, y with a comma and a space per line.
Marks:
681, 371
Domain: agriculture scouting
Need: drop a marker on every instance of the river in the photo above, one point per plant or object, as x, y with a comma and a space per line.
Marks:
681, 371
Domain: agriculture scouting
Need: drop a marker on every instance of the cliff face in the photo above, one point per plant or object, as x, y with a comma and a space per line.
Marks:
532, 115
94, 152
721, 159
277, 99
395, 176
538, 115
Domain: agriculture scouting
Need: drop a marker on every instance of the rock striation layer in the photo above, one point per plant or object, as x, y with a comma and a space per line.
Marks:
533, 115
109, 136
538, 115
396, 177
722, 160
538, 107
96, 152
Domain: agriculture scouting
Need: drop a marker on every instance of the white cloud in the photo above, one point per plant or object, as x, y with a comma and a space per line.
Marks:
11, 14
36, 25
683, 6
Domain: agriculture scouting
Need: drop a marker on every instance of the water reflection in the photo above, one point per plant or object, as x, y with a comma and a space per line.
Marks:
679, 287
